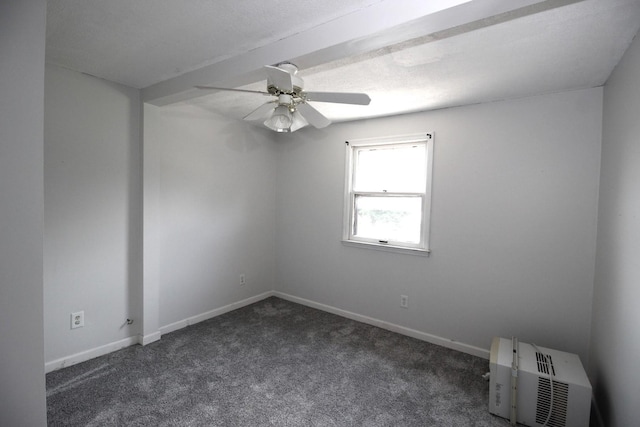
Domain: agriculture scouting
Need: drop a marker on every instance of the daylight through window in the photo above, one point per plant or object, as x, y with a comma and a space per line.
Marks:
388, 192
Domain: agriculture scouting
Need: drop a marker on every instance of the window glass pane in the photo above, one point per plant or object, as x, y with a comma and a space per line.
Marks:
388, 218
394, 169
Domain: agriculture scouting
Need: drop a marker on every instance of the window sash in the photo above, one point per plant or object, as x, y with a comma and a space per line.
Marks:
386, 240
365, 173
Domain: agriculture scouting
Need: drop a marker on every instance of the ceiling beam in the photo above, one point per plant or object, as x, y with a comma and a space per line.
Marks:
382, 24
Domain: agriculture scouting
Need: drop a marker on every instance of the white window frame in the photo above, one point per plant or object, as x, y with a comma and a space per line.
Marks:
421, 248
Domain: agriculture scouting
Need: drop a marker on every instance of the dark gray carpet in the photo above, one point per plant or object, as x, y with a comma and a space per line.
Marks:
275, 363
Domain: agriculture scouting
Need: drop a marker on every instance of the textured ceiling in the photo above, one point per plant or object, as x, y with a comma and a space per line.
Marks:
141, 42
152, 42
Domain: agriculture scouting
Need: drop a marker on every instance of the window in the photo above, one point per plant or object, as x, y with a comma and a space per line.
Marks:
388, 193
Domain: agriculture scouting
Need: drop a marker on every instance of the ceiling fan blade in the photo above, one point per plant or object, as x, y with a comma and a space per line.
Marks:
261, 112
279, 78
232, 90
339, 97
313, 116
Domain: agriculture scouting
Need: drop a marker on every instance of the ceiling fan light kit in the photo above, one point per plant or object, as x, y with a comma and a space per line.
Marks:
281, 119
291, 110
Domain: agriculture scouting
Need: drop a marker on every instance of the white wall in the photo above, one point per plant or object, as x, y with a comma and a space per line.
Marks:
22, 49
215, 210
92, 171
615, 341
513, 223
212, 183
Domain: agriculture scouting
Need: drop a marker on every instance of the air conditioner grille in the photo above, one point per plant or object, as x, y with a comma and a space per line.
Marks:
545, 364
560, 402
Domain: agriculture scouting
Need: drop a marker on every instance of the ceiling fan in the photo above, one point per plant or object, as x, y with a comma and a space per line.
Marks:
290, 110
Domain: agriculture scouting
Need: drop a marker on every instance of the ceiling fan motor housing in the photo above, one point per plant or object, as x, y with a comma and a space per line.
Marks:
285, 99
296, 82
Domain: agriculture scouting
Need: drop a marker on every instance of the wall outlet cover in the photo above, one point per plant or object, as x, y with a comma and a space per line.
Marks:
77, 319
404, 301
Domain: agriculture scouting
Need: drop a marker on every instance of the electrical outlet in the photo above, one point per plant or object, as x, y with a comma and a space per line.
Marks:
404, 301
243, 280
77, 319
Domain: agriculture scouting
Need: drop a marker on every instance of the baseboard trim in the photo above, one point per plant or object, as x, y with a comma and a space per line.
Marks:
213, 313
83, 356
149, 338
423, 336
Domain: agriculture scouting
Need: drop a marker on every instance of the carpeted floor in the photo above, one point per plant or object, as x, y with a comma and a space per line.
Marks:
275, 363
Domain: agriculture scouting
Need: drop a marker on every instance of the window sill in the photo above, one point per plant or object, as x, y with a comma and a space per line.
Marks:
387, 248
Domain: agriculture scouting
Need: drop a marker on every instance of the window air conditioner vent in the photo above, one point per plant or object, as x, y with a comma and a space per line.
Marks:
560, 401
545, 364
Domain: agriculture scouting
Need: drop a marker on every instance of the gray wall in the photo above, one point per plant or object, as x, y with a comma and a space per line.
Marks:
93, 203
515, 189
215, 210
615, 340
213, 216
22, 49
513, 223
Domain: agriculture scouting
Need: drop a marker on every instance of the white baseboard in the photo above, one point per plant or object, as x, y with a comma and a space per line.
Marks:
423, 336
83, 356
213, 313
148, 339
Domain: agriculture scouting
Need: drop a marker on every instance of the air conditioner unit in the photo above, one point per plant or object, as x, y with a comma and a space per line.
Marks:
547, 381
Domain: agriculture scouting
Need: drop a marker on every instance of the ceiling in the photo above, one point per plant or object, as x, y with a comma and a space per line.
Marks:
408, 55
